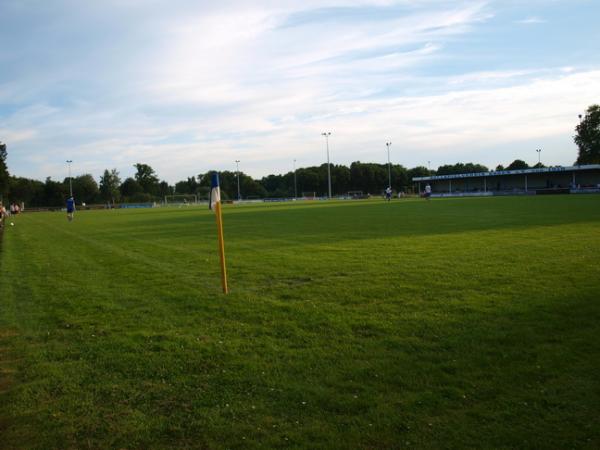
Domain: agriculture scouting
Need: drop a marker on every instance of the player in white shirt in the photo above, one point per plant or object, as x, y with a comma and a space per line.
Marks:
427, 191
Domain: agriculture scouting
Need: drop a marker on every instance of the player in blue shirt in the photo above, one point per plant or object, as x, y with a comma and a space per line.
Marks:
70, 208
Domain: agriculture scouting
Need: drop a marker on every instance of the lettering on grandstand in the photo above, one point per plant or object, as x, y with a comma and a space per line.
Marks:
507, 172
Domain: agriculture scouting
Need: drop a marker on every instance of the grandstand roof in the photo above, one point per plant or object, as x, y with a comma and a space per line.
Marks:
494, 173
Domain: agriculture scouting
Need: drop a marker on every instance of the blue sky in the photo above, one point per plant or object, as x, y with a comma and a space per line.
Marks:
188, 86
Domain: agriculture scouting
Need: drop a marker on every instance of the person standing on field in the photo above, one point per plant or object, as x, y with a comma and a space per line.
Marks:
70, 208
2, 214
427, 191
388, 193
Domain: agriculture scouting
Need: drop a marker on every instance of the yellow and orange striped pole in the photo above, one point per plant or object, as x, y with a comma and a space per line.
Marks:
221, 248
215, 200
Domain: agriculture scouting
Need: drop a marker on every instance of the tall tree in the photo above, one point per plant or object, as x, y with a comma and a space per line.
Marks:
203, 185
400, 178
370, 178
85, 188
30, 192
419, 171
147, 178
588, 137
109, 185
130, 188
250, 188
274, 185
3, 170
451, 169
189, 186
340, 179
518, 164
55, 193
309, 180
164, 189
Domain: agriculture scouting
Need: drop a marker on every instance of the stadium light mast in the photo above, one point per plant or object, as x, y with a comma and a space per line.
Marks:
237, 170
327, 134
388, 145
539, 152
295, 184
69, 161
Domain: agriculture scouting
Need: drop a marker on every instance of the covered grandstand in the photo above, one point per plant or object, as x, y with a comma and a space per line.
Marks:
547, 180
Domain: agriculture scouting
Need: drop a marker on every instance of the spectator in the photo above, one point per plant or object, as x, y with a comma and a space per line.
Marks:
2, 214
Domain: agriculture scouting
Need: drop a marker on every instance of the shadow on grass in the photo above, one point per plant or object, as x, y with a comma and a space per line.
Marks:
522, 375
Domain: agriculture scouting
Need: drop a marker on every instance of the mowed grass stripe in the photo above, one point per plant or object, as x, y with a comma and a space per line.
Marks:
450, 323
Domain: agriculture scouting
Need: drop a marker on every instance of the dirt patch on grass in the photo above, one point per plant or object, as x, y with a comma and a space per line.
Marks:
6, 378
7, 333
6, 364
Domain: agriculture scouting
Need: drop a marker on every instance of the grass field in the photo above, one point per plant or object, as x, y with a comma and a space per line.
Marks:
454, 323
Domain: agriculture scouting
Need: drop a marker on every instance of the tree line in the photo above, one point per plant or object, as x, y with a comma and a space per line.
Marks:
146, 186
370, 178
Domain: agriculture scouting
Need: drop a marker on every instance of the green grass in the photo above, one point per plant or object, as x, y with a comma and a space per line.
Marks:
455, 323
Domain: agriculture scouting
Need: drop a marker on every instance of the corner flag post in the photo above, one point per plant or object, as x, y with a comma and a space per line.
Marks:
215, 200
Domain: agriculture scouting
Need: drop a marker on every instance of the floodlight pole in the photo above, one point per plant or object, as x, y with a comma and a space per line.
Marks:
237, 162
388, 145
69, 161
295, 185
327, 134
539, 152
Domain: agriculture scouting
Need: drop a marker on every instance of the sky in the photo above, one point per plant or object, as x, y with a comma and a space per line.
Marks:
189, 86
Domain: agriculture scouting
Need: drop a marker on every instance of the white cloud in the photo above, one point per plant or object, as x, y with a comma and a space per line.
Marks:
439, 127
530, 21
197, 90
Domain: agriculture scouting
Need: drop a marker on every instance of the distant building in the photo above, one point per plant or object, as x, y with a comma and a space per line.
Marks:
548, 180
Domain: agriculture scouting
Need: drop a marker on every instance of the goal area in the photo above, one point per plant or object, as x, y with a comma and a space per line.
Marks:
181, 199
309, 195
356, 195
